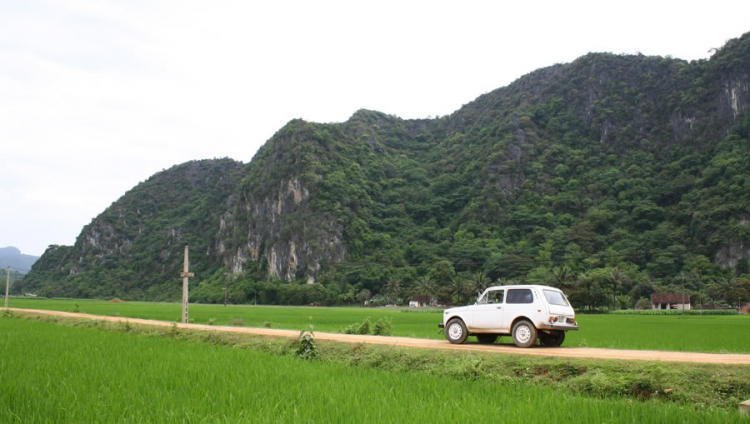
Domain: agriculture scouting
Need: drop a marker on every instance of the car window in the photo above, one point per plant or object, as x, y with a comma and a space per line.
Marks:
496, 296
555, 298
492, 297
520, 296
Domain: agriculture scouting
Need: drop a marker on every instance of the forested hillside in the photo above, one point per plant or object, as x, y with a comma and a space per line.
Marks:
613, 176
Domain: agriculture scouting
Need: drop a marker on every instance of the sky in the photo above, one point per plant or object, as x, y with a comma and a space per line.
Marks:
97, 96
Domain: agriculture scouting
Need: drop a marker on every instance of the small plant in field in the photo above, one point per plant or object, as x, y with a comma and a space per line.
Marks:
383, 327
237, 322
174, 331
76, 309
364, 327
307, 348
127, 327
212, 321
116, 314
8, 314
267, 324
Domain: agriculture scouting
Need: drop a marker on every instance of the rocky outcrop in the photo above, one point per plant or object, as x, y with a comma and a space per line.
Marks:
280, 231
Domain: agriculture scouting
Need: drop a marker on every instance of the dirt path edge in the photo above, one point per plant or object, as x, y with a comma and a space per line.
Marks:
558, 352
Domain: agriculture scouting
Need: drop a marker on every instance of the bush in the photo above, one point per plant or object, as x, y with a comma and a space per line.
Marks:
307, 348
237, 322
364, 327
212, 321
383, 327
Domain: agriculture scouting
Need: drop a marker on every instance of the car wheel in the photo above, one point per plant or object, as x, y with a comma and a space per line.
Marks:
455, 331
553, 339
524, 334
486, 338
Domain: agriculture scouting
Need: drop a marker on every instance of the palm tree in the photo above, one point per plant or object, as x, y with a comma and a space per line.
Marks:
479, 282
563, 277
457, 285
393, 287
426, 286
730, 289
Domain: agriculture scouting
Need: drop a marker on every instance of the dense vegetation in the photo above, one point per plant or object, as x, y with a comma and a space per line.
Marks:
613, 177
64, 373
668, 332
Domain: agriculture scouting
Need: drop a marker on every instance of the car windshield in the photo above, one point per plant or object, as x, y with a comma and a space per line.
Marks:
555, 298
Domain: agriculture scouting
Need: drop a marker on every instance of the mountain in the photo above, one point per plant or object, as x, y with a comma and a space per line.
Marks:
612, 161
12, 256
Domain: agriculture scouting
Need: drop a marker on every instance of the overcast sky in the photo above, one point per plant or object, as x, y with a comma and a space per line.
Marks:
96, 96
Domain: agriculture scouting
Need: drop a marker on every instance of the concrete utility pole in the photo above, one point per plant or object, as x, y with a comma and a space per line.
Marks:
7, 285
185, 275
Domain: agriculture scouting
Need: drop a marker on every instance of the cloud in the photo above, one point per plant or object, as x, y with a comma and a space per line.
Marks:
97, 96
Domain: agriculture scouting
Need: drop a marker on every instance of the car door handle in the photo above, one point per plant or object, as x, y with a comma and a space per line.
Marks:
499, 307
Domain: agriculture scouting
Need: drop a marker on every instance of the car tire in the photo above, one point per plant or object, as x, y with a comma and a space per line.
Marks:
524, 334
553, 339
455, 331
486, 338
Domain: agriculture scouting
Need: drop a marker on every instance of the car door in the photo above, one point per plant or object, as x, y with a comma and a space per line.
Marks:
519, 302
487, 314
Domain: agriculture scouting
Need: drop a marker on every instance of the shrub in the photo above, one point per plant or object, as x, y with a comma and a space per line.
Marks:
267, 324
212, 321
364, 327
383, 327
237, 322
307, 348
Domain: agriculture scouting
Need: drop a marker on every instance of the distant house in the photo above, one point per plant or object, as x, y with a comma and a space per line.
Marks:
745, 308
420, 301
670, 301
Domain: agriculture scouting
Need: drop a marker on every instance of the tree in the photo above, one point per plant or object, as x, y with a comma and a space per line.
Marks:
457, 287
479, 282
393, 287
363, 296
563, 277
616, 278
731, 290
426, 286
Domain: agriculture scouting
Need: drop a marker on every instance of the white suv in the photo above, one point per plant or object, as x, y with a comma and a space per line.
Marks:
525, 312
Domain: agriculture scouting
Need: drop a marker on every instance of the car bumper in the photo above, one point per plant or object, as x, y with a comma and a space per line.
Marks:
559, 326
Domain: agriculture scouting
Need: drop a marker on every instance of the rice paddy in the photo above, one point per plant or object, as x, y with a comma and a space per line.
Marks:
689, 333
56, 373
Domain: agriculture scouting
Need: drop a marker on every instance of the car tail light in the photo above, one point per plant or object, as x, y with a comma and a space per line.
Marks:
571, 321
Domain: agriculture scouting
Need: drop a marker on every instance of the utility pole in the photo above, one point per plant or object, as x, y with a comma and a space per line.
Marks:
7, 285
683, 294
185, 275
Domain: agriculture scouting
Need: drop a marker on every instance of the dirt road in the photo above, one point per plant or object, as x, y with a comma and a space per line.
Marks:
564, 352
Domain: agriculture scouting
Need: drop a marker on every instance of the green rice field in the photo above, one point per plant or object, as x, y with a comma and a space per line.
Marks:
689, 333
57, 373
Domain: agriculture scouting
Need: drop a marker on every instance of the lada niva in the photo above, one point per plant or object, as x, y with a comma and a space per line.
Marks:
526, 312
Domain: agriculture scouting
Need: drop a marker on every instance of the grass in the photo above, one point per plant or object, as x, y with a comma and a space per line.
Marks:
689, 333
62, 373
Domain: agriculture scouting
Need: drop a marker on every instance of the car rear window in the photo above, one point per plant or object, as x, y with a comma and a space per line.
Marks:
519, 296
555, 298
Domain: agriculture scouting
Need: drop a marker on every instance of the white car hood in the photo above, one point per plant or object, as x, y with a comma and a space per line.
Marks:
455, 310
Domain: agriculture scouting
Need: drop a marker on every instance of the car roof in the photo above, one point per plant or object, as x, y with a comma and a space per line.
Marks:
523, 286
